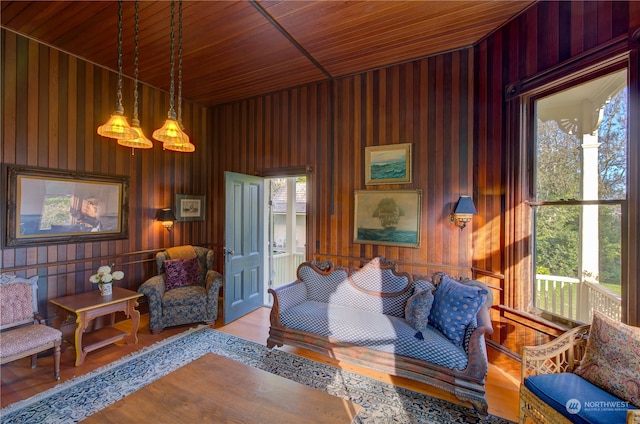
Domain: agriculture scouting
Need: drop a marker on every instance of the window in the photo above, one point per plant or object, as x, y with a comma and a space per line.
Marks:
579, 197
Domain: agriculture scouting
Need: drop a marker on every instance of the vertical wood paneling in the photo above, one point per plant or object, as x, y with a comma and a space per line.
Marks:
9, 104
52, 104
450, 106
543, 37
426, 103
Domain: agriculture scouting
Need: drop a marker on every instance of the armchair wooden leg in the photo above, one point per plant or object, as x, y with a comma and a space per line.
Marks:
56, 361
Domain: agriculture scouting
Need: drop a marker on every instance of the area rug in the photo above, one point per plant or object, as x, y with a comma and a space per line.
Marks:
73, 400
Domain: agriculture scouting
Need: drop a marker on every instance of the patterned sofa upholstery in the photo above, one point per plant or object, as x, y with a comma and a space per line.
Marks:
189, 303
359, 316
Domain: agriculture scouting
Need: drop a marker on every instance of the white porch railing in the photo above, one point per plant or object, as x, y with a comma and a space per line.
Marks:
574, 299
285, 266
603, 300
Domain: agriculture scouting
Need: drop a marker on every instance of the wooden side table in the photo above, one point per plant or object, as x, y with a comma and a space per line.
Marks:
90, 305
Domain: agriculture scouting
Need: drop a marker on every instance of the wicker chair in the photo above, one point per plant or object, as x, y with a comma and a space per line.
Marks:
563, 354
23, 330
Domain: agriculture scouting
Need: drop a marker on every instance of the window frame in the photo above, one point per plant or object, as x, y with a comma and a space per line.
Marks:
520, 98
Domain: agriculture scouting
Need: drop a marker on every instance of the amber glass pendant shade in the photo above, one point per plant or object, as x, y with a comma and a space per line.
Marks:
170, 132
141, 142
117, 127
181, 146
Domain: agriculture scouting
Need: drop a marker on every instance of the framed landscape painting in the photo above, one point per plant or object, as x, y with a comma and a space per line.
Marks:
390, 164
389, 217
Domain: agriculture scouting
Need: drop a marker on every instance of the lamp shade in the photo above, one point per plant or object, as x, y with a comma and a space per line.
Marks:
165, 214
465, 206
183, 145
141, 142
117, 127
170, 132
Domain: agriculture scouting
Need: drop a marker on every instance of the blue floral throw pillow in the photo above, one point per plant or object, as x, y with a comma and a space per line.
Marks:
416, 311
454, 307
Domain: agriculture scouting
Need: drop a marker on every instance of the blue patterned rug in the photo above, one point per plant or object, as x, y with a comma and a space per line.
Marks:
73, 400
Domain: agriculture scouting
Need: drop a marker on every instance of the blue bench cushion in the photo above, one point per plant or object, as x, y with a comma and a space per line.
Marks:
577, 399
374, 330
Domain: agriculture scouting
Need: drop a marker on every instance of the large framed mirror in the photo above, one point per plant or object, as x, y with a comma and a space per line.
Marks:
52, 206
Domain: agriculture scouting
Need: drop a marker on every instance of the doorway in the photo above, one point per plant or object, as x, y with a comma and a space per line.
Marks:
287, 227
265, 238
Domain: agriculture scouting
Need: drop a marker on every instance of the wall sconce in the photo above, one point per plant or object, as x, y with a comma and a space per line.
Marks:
464, 212
167, 218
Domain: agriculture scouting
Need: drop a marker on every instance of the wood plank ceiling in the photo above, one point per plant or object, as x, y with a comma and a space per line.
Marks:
240, 49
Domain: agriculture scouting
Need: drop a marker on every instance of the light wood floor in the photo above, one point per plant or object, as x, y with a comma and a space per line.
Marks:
19, 381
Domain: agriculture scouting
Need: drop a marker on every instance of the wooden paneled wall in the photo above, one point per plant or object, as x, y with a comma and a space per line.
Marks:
426, 103
545, 37
450, 106
52, 104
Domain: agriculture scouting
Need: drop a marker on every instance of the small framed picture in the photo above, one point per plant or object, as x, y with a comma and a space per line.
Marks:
390, 164
189, 207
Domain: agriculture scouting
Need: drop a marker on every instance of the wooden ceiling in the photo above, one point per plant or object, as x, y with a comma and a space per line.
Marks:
240, 49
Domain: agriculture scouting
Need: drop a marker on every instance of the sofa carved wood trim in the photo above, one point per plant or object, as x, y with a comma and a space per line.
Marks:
467, 384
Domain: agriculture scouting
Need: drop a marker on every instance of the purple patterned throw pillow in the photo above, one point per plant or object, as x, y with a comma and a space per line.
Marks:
191, 271
181, 272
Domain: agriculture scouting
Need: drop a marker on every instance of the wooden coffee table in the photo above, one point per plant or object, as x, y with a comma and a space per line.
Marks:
90, 305
215, 389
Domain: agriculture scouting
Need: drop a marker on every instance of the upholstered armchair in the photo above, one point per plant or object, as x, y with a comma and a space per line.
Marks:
24, 332
185, 290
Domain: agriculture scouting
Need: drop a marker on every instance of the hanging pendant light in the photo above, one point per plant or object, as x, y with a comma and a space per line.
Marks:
141, 142
170, 132
185, 144
117, 126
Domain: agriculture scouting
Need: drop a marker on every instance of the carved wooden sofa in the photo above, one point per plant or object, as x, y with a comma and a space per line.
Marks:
383, 319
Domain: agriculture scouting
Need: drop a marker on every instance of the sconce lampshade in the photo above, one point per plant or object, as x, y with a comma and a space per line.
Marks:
167, 218
465, 209
465, 206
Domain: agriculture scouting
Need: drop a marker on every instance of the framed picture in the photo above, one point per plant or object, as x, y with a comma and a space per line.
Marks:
51, 206
390, 217
189, 207
389, 164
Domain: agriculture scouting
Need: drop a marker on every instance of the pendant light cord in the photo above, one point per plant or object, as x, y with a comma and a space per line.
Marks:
119, 107
135, 68
172, 111
180, 62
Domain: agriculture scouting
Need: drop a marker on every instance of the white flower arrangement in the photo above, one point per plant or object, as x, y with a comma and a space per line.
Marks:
105, 275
